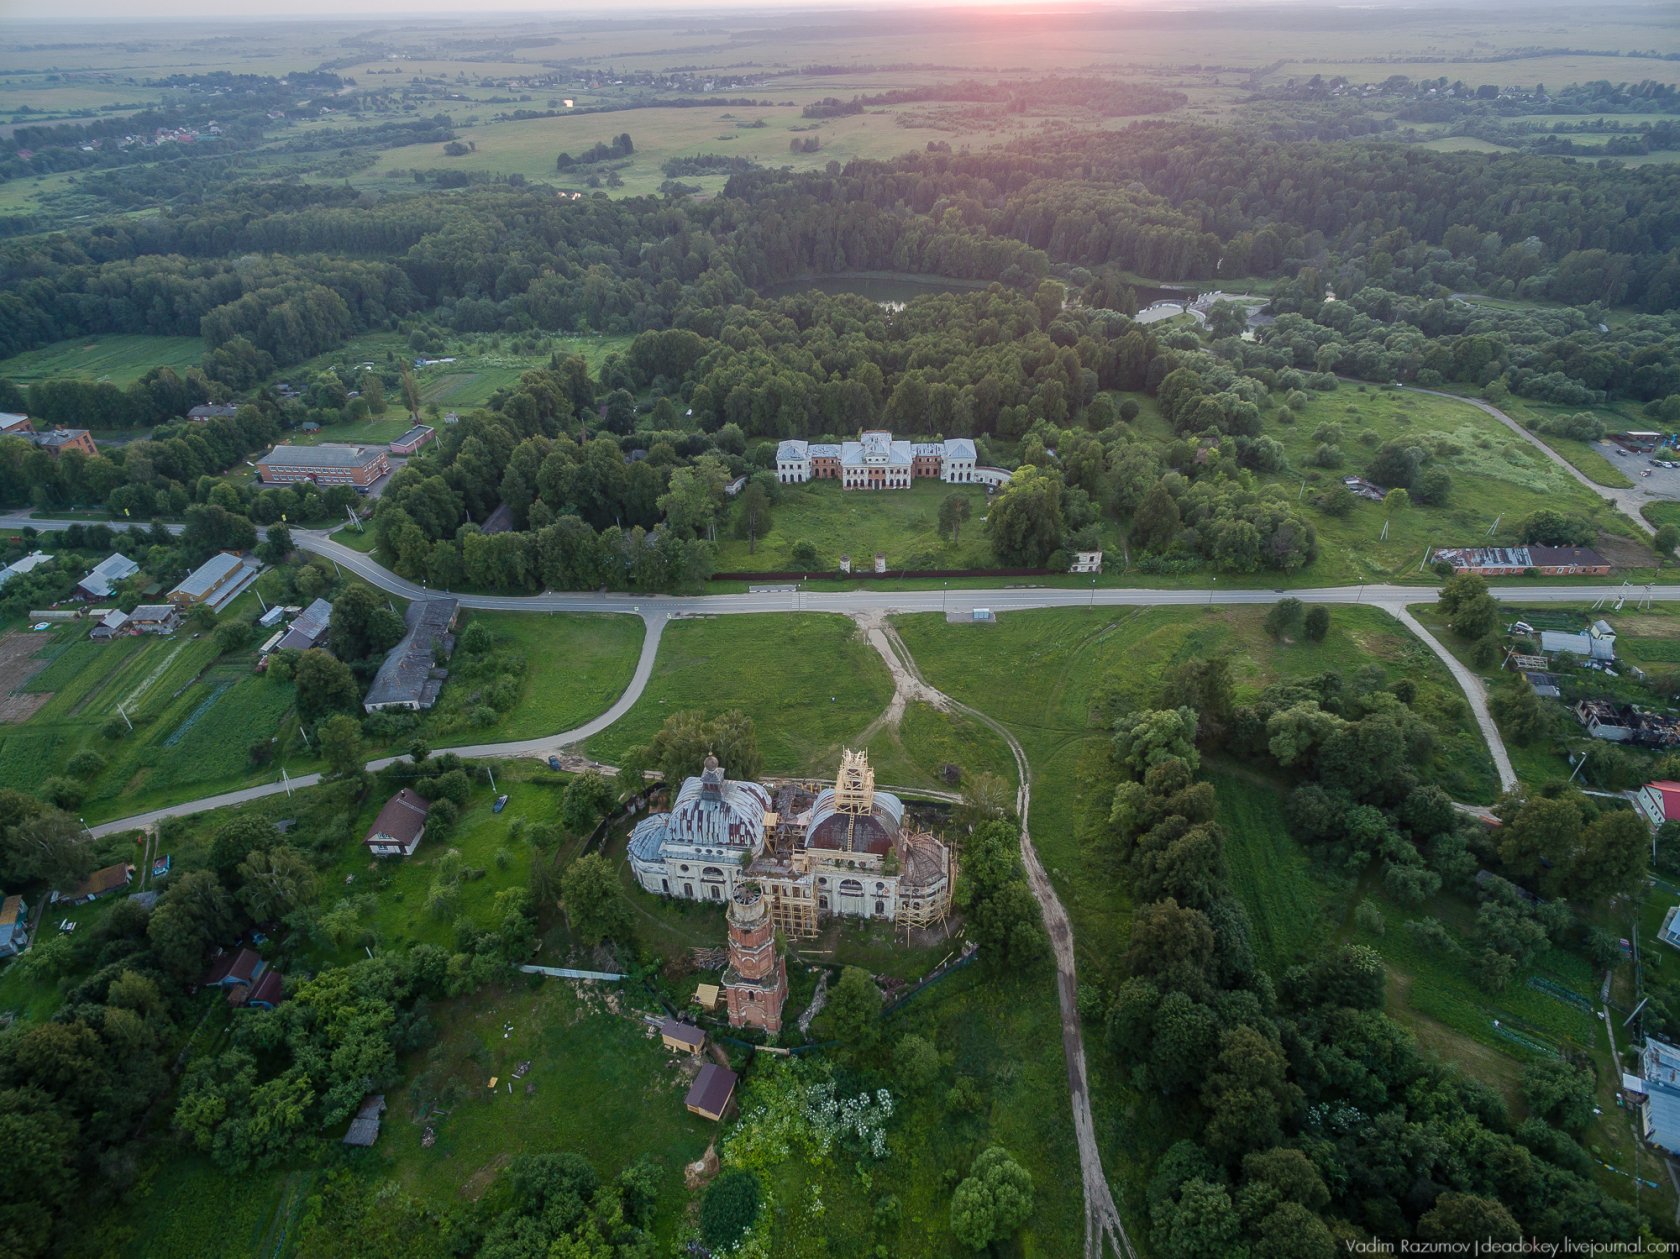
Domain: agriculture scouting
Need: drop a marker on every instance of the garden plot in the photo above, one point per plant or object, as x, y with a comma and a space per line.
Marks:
18, 664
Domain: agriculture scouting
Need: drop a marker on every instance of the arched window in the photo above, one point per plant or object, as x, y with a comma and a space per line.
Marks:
851, 887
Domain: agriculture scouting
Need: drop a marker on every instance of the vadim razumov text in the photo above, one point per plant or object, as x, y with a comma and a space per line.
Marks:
1529, 1246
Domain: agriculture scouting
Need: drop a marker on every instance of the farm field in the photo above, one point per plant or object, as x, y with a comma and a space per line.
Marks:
575, 666
483, 363
809, 682
117, 359
195, 721
903, 525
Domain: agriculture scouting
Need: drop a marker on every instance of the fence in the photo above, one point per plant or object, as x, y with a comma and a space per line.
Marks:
895, 574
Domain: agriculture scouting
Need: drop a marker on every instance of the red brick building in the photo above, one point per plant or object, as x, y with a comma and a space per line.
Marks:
359, 466
755, 985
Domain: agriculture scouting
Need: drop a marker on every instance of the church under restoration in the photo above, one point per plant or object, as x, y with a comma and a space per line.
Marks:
844, 849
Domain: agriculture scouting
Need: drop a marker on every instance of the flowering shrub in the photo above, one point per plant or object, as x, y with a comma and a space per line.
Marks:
792, 1111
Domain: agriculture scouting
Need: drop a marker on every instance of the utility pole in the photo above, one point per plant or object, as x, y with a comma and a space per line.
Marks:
260, 599
286, 779
306, 742
124, 716
492, 774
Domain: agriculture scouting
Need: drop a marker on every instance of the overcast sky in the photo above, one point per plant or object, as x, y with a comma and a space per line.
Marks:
133, 10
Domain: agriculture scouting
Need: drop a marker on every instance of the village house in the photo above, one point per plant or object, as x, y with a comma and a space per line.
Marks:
233, 970
1596, 642
101, 581
14, 425
397, 830
1514, 561
155, 618
412, 440
1660, 802
680, 1037
112, 624
309, 629
1626, 723
711, 1093
1655, 1094
56, 441
364, 1128
27, 564
213, 411
99, 883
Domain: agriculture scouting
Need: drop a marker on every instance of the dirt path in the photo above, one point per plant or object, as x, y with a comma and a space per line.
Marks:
1474, 695
1104, 1230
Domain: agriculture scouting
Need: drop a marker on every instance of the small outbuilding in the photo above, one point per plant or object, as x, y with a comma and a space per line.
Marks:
364, 1128
682, 1038
706, 996
712, 1092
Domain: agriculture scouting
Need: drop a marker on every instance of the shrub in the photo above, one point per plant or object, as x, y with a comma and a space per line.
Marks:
729, 1208
85, 765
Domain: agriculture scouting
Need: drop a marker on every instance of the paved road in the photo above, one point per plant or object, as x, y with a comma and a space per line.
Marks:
866, 600
1627, 501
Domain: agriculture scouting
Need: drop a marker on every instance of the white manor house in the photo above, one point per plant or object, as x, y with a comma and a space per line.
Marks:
843, 850
879, 461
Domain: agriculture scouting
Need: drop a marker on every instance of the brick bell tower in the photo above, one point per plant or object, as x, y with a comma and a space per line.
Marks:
755, 984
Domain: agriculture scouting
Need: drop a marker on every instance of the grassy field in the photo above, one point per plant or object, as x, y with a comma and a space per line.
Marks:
116, 359
808, 681
1495, 475
903, 525
1039, 673
914, 753
1595, 460
575, 666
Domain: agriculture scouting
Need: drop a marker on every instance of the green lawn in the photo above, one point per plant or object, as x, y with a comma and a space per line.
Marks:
575, 666
1286, 901
809, 682
119, 359
903, 525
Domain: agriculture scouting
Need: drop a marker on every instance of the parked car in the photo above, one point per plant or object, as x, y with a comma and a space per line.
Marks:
554, 762
501, 803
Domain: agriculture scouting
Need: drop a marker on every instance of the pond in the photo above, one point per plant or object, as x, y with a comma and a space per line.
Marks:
893, 289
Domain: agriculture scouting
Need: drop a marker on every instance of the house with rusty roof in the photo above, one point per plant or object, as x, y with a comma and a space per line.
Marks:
14, 926
99, 883
397, 830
